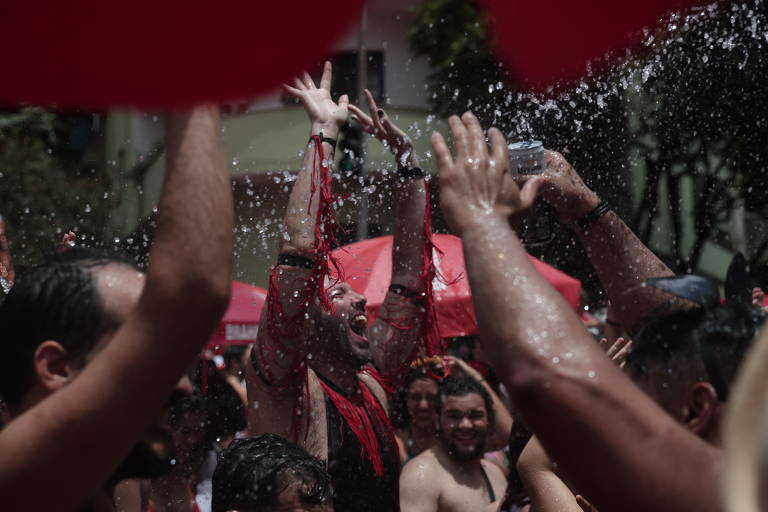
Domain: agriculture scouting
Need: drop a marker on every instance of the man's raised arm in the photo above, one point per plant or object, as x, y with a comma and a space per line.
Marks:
621, 260
577, 402
397, 327
72, 441
279, 347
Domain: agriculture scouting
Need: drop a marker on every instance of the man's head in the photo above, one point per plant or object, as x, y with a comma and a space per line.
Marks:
268, 473
465, 413
339, 337
688, 360
55, 319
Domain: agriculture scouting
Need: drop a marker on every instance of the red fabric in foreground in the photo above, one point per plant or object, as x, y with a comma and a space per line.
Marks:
368, 264
550, 40
240, 323
96, 53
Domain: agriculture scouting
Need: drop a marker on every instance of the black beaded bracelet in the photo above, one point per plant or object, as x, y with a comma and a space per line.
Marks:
591, 217
410, 172
329, 140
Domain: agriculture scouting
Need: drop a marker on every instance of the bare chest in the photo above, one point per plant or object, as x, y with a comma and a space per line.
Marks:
468, 492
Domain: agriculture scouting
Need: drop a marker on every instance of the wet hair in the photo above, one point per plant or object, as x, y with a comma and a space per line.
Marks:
224, 407
56, 300
252, 472
460, 385
712, 342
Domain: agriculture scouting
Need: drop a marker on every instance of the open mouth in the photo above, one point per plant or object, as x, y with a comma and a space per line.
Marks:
359, 324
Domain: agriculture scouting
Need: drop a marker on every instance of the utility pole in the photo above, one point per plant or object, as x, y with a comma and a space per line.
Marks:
362, 84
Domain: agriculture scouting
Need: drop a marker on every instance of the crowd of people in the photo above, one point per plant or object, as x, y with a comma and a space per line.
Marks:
106, 406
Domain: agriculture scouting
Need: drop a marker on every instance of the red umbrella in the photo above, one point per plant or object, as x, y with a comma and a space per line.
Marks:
550, 40
149, 54
241, 321
367, 266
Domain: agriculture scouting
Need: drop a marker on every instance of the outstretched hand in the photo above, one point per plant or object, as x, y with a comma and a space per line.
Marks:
618, 350
381, 126
564, 189
476, 186
323, 112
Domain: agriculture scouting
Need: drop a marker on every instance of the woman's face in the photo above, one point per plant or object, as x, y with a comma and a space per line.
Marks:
422, 394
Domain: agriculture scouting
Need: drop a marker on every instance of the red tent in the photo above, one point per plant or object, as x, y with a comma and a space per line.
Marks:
241, 321
367, 266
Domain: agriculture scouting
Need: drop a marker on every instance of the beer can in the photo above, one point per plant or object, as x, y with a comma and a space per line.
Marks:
527, 158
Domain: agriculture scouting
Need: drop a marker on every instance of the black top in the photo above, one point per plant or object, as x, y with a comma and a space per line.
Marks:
491, 494
356, 486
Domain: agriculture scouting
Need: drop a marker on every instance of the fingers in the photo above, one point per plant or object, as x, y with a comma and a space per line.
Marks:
499, 148
376, 112
477, 145
442, 153
361, 117
459, 132
325, 81
299, 84
343, 101
307, 80
621, 356
292, 91
529, 192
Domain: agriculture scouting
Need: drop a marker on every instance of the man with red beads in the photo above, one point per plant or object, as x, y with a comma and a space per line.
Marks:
314, 373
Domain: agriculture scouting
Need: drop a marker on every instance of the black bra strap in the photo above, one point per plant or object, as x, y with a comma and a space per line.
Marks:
491, 494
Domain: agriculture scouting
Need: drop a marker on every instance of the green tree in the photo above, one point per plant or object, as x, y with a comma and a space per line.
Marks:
52, 180
687, 111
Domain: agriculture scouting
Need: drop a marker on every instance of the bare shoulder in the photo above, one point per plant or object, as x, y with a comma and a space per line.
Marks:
423, 467
376, 389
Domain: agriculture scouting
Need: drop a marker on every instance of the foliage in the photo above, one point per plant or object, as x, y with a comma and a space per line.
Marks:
688, 111
48, 184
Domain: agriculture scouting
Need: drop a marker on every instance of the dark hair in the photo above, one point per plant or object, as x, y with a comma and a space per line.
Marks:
398, 406
252, 472
56, 300
713, 340
460, 385
225, 409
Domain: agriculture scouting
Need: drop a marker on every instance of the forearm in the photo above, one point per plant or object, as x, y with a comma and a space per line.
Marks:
549, 363
195, 213
410, 200
301, 214
623, 263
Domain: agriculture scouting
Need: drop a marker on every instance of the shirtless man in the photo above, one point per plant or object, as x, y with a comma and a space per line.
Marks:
551, 366
310, 380
453, 476
92, 348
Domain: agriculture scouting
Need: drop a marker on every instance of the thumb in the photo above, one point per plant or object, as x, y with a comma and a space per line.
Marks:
529, 192
344, 101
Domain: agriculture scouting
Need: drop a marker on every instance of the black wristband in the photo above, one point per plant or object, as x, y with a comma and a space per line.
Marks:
295, 260
410, 172
322, 138
591, 217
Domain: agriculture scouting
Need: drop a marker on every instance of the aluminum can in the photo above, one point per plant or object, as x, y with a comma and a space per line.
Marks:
527, 158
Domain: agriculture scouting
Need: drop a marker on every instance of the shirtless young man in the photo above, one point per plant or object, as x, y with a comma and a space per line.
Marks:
551, 366
92, 348
453, 476
310, 364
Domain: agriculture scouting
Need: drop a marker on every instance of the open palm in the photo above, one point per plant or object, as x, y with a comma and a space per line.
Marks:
317, 100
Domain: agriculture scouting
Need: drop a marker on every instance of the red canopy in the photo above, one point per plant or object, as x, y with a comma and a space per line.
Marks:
150, 54
551, 40
367, 266
241, 321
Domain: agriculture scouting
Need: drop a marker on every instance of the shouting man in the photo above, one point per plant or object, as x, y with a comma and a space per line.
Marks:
311, 378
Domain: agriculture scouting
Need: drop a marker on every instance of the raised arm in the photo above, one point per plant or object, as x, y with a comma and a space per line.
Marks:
547, 491
397, 328
551, 366
621, 260
75, 438
279, 347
